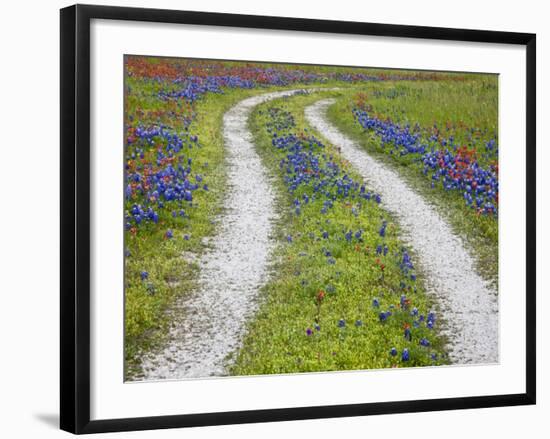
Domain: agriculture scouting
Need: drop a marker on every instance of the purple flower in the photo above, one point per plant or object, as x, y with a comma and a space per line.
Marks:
169, 234
405, 355
430, 320
348, 236
309, 332
424, 342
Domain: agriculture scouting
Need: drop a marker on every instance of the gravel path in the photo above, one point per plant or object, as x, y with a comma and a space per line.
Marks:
467, 302
208, 324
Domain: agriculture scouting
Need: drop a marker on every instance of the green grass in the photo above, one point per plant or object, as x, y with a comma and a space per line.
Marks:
462, 104
277, 341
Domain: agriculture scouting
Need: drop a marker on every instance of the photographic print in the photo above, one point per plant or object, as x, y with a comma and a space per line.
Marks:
285, 218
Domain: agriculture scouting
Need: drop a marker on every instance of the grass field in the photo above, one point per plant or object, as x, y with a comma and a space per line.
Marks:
344, 290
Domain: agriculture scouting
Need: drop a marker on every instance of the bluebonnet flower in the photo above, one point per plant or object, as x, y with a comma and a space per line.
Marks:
348, 236
393, 352
341, 323
358, 323
430, 321
424, 342
405, 355
144, 275
375, 303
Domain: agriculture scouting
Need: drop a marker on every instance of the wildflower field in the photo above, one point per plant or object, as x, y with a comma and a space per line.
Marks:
343, 287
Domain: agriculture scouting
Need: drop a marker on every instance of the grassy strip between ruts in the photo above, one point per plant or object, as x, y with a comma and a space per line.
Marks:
459, 104
343, 294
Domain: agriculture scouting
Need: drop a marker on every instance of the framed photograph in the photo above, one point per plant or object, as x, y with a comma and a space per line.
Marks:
268, 218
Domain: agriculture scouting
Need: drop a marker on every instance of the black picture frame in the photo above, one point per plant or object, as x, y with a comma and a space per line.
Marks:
75, 217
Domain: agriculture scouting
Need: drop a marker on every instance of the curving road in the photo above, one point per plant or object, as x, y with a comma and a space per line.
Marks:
209, 323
